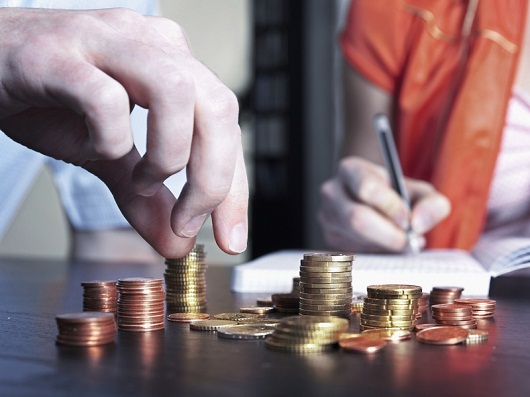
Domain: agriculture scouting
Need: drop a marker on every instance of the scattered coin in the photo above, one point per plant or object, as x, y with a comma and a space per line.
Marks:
245, 332
211, 325
234, 316
442, 335
362, 344
187, 317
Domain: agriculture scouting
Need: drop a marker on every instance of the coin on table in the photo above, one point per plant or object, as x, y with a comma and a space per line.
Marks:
388, 334
211, 325
477, 336
362, 344
442, 335
259, 310
245, 332
187, 317
234, 316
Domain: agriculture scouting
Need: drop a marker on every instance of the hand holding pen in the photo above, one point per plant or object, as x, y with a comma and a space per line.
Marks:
361, 211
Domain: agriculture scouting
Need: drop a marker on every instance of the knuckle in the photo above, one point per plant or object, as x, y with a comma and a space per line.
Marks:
223, 104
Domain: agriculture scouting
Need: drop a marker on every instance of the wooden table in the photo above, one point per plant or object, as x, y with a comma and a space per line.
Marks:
182, 362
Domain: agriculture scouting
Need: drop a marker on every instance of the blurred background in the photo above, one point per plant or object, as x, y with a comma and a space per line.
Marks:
281, 59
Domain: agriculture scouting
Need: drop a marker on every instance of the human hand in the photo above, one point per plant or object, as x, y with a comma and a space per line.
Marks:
67, 83
361, 212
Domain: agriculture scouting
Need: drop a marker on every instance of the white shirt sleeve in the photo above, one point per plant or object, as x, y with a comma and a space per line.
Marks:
88, 203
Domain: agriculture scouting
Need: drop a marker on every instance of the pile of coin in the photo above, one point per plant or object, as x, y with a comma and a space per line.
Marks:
100, 296
390, 306
325, 284
141, 304
85, 329
423, 304
442, 295
480, 308
454, 314
476, 336
186, 282
286, 303
306, 334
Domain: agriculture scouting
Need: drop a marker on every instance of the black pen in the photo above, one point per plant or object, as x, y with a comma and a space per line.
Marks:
393, 166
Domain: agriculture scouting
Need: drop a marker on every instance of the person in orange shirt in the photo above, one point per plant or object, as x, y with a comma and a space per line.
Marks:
454, 79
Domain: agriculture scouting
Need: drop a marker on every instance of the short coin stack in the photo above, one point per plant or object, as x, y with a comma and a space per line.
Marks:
85, 329
186, 282
100, 296
141, 304
390, 306
286, 303
442, 295
306, 334
480, 308
454, 314
325, 284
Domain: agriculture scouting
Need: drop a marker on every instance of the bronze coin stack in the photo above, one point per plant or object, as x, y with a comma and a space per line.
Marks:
186, 282
480, 308
390, 306
423, 304
325, 284
453, 314
306, 334
85, 329
443, 295
286, 303
141, 304
100, 296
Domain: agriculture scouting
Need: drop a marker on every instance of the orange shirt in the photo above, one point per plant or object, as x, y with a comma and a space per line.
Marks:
450, 67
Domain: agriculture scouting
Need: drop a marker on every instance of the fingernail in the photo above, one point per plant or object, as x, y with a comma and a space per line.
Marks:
193, 226
420, 225
402, 220
238, 238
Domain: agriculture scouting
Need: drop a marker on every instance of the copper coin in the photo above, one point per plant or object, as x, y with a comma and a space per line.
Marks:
362, 344
443, 335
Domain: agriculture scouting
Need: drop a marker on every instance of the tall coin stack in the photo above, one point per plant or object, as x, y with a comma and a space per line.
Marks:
325, 284
186, 282
141, 304
100, 296
390, 306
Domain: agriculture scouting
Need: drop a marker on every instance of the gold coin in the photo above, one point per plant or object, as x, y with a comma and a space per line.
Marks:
245, 332
234, 316
187, 317
260, 310
211, 325
328, 257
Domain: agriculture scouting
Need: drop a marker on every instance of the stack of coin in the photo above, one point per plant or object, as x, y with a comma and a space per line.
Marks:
423, 304
100, 296
481, 308
286, 303
141, 304
442, 295
85, 329
306, 334
325, 284
390, 306
454, 314
476, 336
186, 282
296, 286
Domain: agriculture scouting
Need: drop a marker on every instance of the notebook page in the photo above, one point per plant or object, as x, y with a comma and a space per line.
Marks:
274, 272
502, 256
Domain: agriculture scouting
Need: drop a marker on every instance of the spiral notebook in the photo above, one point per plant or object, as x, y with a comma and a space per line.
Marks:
473, 270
